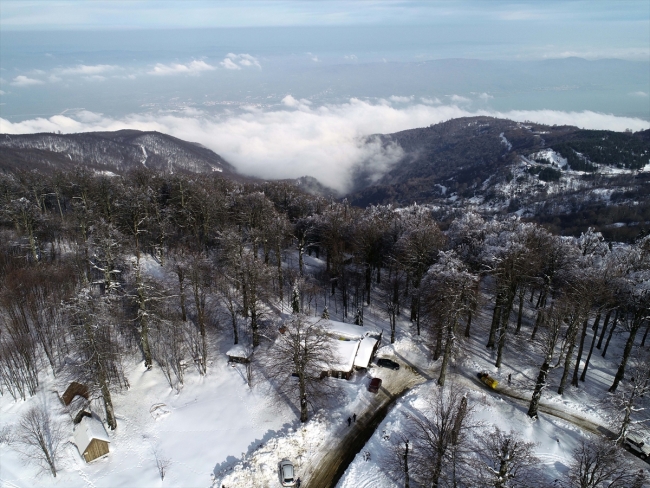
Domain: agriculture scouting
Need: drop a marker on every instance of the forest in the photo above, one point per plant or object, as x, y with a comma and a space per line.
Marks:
77, 297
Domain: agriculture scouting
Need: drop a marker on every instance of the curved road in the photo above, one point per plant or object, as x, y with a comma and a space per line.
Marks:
335, 459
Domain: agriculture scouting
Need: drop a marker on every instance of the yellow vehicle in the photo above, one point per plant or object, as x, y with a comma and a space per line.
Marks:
488, 380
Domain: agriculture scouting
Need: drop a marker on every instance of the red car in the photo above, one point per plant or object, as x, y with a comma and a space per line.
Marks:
374, 386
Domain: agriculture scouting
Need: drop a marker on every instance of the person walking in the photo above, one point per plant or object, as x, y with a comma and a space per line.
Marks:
509, 378
354, 418
349, 421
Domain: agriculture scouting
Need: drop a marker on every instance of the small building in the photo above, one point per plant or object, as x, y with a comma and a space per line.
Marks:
73, 390
354, 347
239, 354
91, 438
366, 352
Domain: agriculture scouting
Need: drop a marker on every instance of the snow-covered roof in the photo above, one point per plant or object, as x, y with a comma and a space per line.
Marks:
238, 351
348, 331
88, 429
364, 354
344, 353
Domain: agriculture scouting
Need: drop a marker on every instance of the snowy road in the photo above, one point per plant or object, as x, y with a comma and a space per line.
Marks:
334, 459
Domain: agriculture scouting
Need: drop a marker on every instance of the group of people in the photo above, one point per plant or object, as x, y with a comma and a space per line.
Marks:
352, 419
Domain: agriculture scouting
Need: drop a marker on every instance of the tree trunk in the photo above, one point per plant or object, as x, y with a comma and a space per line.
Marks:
611, 333
645, 335
449, 341
521, 311
620, 373
591, 348
568, 359
469, 323
142, 316
303, 399
504, 325
581, 347
602, 334
181, 292
539, 387
407, 480
278, 257
368, 283
496, 315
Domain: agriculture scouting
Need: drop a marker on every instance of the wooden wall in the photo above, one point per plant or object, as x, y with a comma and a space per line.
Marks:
95, 449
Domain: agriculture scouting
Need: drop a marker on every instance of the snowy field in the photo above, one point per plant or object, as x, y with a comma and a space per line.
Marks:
217, 431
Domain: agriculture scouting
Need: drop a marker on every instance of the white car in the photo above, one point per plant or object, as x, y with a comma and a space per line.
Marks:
287, 473
638, 445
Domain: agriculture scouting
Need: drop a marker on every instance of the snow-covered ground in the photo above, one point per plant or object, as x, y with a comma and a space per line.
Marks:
217, 431
214, 420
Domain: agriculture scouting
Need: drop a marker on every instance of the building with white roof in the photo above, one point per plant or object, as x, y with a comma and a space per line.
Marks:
91, 438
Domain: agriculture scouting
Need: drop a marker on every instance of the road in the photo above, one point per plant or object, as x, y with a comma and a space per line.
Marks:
335, 458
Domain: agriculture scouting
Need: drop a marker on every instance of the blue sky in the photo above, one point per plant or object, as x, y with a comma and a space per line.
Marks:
628, 17
306, 79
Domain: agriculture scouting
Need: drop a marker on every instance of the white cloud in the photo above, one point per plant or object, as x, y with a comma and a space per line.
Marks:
639, 94
485, 96
22, 80
229, 64
313, 57
193, 68
398, 99
457, 99
350, 57
239, 61
2, 92
430, 101
302, 104
325, 141
87, 70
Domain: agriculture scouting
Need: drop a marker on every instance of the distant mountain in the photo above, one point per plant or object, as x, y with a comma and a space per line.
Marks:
114, 152
459, 156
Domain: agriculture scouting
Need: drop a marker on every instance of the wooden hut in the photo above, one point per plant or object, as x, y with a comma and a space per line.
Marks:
73, 390
91, 438
239, 354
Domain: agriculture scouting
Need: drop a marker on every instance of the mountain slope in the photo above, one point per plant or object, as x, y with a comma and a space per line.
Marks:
115, 152
468, 155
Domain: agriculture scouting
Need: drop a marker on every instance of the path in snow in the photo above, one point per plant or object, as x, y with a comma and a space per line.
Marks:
336, 458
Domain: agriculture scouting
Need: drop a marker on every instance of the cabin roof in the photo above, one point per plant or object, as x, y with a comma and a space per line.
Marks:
364, 354
238, 351
88, 429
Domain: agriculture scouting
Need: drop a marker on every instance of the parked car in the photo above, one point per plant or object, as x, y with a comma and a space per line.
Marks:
287, 473
374, 385
387, 363
638, 445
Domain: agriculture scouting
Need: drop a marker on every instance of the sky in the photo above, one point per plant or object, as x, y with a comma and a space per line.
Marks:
268, 84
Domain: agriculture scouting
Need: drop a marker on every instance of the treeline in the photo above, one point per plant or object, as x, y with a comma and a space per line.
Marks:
79, 294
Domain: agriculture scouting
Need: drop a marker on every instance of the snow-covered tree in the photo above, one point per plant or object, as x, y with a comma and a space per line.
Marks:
297, 359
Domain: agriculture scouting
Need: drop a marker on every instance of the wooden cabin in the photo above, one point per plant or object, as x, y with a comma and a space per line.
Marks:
73, 390
91, 438
239, 354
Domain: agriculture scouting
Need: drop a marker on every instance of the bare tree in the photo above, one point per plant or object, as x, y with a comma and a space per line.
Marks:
450, 292
629, 402
91, 319
39, 437
297, 360
162, 462
440, 439
506, 460
398, 457
599, 463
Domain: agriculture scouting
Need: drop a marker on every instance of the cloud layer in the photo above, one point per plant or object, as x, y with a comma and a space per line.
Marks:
326, 141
